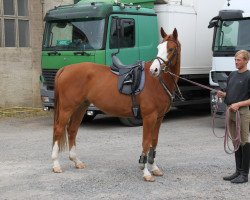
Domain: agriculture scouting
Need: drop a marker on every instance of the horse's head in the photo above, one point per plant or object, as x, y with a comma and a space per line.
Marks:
168, 53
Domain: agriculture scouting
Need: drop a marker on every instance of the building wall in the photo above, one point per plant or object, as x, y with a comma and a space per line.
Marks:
20, 68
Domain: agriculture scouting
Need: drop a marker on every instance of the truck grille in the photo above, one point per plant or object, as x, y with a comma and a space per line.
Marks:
49, 78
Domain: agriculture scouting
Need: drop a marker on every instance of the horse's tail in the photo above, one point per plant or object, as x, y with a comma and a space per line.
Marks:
62, 142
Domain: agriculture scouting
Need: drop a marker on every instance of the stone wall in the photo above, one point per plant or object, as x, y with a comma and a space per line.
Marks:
20, 68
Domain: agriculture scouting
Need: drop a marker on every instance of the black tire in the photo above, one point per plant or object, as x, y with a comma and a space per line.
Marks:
88, 118
130, 121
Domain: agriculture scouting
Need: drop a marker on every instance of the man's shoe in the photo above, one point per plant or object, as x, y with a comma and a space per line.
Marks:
231, 177
240, 179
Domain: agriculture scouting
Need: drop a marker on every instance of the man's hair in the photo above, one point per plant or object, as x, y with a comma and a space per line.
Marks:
245, 54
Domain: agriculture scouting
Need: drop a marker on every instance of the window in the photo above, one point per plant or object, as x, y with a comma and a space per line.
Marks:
123, 37
233, 35
8, 7
74, 35
14, 23
9, 32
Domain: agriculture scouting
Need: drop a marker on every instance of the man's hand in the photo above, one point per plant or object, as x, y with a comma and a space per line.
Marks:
220, 94
234, 106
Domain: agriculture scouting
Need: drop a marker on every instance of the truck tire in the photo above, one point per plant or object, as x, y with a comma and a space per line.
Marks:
130, 121
88, 118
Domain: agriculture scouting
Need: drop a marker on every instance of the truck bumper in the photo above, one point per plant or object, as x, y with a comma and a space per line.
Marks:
47, 97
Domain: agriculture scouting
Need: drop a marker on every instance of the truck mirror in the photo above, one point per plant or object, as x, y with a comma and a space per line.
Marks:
214, 22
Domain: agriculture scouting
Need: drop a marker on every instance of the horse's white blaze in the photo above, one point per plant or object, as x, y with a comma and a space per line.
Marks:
162, 53
54, 155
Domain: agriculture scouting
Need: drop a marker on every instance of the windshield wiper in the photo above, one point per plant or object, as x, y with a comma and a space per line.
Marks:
54, 53
83, 53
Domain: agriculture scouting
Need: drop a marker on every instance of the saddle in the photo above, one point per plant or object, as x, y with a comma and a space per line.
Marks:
131, 79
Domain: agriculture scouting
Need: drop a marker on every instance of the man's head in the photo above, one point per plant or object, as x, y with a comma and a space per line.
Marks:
241, 59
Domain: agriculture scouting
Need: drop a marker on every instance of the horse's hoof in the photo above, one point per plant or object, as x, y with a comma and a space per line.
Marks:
157, 172
80, 165
57, 169
149, 178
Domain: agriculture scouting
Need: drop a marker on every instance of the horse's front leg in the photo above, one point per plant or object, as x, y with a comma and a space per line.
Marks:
148, 129
152, 152
151, 160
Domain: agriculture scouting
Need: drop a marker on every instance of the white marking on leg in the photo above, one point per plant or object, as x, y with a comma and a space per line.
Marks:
72, 157
155, 169
54, 156
146, 171
154, 166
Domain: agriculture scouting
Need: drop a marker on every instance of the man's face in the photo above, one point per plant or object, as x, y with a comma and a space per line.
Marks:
240, 62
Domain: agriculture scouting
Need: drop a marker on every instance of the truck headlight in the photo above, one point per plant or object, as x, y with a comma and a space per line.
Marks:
45, 99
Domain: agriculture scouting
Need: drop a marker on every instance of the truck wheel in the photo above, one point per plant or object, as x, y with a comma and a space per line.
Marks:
131, 121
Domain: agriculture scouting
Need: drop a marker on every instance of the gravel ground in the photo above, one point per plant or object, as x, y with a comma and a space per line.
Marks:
191, 157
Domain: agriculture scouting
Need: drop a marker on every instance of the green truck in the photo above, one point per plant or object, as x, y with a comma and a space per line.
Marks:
91, 32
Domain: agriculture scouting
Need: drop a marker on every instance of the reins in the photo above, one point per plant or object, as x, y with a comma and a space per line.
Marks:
237, 140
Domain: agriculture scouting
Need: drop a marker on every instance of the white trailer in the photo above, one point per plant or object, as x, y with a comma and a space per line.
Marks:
191, 18
231, 33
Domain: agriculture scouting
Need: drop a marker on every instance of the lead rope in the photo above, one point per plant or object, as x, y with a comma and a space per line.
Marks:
237, 140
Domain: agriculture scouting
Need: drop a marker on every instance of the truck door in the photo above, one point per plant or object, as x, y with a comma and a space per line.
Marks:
122, 37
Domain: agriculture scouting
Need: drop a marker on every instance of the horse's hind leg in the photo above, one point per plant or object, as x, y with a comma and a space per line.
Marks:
72, 129
59, 140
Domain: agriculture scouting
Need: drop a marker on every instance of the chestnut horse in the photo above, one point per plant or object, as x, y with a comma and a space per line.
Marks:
78, 85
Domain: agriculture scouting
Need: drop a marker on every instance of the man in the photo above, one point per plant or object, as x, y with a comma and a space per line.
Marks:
237, 98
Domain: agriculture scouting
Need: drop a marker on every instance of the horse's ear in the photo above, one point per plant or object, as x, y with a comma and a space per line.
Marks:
175, 33
163, 34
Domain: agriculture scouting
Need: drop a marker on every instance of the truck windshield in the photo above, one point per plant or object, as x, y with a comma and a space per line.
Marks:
74, 35
232, 35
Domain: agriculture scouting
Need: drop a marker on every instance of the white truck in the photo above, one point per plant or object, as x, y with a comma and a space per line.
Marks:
231, 33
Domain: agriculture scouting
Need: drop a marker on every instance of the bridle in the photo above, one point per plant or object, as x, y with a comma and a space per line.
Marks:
165, 66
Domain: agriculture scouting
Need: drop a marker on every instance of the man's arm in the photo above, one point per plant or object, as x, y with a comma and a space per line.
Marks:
236, 106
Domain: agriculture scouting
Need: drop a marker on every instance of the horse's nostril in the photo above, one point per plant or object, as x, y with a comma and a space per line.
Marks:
156, 70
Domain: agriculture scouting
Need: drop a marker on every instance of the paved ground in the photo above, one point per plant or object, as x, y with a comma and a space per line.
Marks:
191, 157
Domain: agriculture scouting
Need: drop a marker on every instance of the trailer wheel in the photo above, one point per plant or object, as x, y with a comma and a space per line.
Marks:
130, 121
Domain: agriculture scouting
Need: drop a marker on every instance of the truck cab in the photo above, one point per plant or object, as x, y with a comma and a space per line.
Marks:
92, 32
231, 34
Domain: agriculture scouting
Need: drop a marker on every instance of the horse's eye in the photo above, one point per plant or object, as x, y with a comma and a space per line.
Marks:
171, 49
